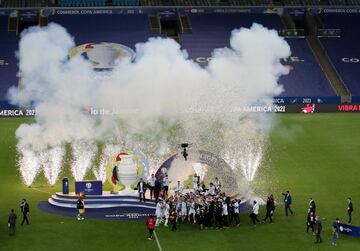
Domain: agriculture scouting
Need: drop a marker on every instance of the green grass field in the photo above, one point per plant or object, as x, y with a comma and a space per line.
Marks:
315, 155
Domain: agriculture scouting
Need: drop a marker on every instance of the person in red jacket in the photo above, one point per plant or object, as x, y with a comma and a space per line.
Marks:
150, 223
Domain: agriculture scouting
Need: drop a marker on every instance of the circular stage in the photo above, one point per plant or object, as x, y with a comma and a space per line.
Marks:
106, 206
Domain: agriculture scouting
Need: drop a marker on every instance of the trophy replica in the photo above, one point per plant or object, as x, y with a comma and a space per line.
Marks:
125, 169
127, 173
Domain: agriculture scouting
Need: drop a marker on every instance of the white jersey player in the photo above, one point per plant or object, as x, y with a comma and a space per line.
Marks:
183, 210
192, 210
211, 190
217, 185
178, 187
236, 207
166, 212
159, 212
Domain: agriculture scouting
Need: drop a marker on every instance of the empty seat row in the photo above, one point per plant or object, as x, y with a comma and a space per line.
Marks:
14, 3
126, 2
81, 3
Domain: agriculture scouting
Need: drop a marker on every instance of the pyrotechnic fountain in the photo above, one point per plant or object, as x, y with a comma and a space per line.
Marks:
100, 172
83, 154
29, 165
200, 170
51, 161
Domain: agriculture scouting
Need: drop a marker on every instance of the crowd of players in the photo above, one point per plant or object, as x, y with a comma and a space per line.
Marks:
205, 206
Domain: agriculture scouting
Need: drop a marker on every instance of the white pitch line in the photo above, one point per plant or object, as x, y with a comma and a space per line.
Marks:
157, 241
33, 188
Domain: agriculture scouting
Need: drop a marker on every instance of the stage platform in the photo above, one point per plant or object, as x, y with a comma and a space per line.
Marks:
107, 200
106, 206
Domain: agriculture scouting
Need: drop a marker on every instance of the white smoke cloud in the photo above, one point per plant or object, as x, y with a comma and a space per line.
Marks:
161, 84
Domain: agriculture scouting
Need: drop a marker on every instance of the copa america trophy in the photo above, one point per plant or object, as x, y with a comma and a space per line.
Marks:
127, 173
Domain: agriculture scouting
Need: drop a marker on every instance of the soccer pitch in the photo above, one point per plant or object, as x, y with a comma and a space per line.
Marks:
312, 155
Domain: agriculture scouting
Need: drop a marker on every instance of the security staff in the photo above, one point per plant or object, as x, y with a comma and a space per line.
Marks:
141, 187
25, 209
12, 222
288, 202
318, 228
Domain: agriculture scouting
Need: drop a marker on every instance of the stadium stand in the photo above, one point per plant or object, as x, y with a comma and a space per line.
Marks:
126, 2
150, 2
200, 34
213, 31
81, 3
8, 62
293, 2
15, 3
344, 52
27, 3
306, 77
353, 2
124, 29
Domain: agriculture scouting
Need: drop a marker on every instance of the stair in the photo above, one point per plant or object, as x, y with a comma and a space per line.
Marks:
13, 25
43, 21
185, 24
155, 24
330, 72
288, 22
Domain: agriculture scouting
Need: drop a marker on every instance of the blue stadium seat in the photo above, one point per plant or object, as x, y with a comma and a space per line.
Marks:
9, 69
211, 31
344, 52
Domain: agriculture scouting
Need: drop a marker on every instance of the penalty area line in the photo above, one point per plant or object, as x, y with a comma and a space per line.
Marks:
157, 241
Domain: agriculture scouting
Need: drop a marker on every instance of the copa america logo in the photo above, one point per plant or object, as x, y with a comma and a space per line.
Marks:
88, 185
103, 55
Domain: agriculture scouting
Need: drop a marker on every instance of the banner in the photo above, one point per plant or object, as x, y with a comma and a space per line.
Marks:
105, 11
89, 187
275, 108
307, 100
350, 230
322, 108
339, 10
16, 112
